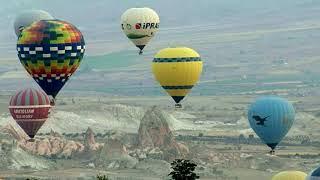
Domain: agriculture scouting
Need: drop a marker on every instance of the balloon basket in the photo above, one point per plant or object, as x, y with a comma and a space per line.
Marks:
272, 152
178, 106
31, 140
52, 102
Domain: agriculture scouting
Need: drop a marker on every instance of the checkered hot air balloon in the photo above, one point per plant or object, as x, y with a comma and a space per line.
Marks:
30, 108
51, 51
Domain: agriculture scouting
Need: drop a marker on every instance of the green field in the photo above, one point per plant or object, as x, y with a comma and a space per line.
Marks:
112, 61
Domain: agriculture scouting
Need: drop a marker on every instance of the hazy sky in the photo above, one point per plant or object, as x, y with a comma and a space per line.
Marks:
186, 22
99, 19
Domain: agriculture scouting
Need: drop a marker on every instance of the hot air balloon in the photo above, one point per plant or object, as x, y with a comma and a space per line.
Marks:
290, 175
314, 175
26, 18
51, 51
177, 70
140, 25
271, 118
30, 108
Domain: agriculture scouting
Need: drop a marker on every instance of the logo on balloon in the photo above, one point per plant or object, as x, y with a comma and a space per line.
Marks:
138, 25
147, 26
260, 121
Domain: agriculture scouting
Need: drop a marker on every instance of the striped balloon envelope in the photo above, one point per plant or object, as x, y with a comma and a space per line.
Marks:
51, 51
290, 175
30, 109
271, 118
177, 70
314, 175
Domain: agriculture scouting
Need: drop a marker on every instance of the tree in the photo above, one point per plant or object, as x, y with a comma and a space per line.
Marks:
183, 170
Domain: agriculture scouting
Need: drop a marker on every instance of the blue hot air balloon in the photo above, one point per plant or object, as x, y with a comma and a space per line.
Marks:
314, 175
271, 118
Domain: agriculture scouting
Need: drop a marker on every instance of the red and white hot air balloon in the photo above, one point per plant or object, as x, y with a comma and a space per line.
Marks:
30, 109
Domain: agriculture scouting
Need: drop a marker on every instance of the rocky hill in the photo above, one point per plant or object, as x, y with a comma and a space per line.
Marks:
54, 145
155, 134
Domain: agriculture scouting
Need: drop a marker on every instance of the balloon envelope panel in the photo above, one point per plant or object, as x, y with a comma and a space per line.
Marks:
51, 51
271, 118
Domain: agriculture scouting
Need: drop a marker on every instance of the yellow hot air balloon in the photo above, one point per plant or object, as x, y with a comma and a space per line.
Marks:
177, 70
290, 175
140, 25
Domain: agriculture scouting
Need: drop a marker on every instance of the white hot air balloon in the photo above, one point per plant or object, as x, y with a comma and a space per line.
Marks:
140, 25
26, 18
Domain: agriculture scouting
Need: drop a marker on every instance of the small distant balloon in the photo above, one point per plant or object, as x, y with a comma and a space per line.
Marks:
290, 175
140, 25
271, 118
26, 18
30, 109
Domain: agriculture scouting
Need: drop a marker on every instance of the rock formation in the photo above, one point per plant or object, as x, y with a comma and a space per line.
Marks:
54, 134
53, 145
154, 132
90, 142
114, 155
113, 148
15, 133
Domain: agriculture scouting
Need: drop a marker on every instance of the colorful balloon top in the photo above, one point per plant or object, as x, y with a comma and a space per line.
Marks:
30, 97
52, 32
51, 51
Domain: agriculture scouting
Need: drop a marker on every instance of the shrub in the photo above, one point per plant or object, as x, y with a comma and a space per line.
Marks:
183, 169
102, 177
